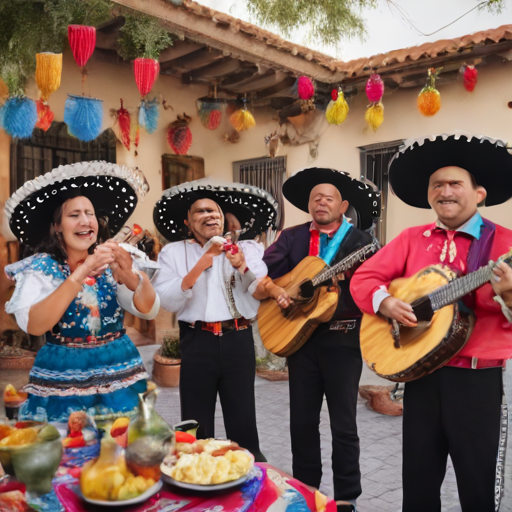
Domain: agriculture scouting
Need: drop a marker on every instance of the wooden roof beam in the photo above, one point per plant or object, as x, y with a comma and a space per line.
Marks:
239, 45
190, 61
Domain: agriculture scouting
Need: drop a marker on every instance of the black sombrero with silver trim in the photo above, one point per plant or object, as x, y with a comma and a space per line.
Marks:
487, 159
255, 208
362, 197
111, 188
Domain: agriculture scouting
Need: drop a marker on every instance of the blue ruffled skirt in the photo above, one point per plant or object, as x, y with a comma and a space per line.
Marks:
101, 380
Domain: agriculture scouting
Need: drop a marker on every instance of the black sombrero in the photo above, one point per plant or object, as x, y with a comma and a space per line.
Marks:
363, 198
111, 188
488, 160
255, 208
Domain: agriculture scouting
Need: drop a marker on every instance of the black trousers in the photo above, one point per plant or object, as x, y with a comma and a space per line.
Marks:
453, 411
328, 364
225, 365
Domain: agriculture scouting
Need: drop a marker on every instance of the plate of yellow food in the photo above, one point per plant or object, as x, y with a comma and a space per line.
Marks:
117, 503
207, 465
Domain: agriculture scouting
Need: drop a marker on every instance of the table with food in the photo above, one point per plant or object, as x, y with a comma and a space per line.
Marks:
137, 464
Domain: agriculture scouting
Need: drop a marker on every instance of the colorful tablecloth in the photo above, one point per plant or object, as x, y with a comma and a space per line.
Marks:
267, 490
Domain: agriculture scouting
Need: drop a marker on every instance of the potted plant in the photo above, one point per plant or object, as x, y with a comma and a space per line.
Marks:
167, 362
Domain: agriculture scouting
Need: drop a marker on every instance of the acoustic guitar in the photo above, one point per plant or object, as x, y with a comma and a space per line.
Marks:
401, 354
311, 285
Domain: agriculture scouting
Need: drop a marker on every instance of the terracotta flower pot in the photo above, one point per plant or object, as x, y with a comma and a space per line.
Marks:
166, 371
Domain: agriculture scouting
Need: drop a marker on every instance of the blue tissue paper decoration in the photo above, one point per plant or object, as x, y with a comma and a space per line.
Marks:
149, 114
19, 116
84, 117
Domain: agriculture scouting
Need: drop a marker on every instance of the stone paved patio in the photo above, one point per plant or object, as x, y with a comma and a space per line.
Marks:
380, 439
380, 436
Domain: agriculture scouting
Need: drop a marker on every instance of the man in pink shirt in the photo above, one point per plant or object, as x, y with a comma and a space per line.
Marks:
456, 409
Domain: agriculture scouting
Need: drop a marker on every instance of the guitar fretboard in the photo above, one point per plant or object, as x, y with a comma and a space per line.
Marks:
454, 291
345, 264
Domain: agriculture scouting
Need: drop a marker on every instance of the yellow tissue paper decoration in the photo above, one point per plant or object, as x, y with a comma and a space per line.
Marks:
374, 115
242, 120
48, 73
337, 111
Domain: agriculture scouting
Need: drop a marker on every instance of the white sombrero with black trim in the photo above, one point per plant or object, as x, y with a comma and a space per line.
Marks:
488, 160
254, 207
111, 188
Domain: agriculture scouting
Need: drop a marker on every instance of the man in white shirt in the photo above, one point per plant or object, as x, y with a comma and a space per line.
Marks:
210, 287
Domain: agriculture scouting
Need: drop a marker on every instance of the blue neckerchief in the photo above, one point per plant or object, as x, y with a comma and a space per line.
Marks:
328, 250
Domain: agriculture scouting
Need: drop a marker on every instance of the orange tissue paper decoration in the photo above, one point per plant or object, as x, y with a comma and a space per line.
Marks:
242, 120
44, 115
470, 77
179, 135
429, 99
48, 73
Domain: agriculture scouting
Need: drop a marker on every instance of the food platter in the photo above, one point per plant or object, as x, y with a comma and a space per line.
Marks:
204, 488
119, 503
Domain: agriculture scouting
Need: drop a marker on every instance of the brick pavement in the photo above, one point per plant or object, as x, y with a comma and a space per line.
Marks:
380, 443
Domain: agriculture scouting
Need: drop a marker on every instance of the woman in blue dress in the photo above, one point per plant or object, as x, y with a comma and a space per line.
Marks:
75, 285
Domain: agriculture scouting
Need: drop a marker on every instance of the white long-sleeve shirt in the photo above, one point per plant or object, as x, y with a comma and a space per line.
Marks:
33, 287
206, 300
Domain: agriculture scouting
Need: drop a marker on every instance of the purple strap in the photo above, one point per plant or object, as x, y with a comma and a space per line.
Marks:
480, 250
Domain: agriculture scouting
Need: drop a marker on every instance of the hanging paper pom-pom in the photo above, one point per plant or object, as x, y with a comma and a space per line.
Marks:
374, 115
84, 117
337, 111
242, 120
146, 72
306, 88
149, 114
209, 111
44, 115
179, 135
19, 117
48, 73
123, 120
470, 78
374, 88
429, 99
334, 94
82, 40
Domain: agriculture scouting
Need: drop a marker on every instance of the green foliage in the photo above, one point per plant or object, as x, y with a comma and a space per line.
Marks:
493, 6
328, 21
28, 27
171, 347
142, 36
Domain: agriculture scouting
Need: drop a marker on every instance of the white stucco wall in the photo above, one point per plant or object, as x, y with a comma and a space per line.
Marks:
483, 111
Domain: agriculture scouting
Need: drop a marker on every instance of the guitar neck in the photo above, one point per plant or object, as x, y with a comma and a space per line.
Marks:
454, 291
345, 264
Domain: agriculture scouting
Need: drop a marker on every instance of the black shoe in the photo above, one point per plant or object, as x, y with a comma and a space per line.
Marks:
346, 508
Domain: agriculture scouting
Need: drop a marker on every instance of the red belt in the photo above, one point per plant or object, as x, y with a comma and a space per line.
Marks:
219, 328
475, 363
